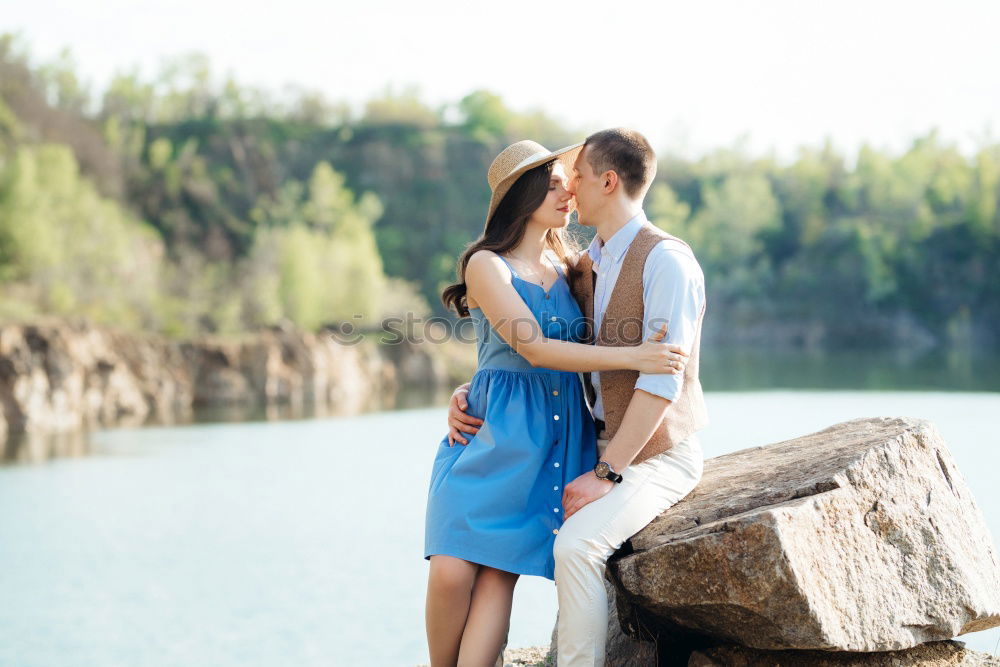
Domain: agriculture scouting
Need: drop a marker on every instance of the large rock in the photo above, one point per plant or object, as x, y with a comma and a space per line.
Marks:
862, 537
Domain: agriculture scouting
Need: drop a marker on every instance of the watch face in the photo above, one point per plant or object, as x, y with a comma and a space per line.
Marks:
602, 469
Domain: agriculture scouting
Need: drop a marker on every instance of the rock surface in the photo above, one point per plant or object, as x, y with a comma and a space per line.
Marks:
935, 654
861, 537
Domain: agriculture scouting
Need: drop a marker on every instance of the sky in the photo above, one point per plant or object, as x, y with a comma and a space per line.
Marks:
694, 76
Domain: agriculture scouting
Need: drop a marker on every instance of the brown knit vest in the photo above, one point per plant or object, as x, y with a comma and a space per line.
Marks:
622, 325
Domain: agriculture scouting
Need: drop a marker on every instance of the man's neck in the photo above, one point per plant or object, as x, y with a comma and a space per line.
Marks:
616, 217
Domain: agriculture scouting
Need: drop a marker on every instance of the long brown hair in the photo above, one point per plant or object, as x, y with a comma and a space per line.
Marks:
505, 229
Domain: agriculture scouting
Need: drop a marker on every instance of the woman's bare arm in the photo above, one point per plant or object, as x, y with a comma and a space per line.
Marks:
489, 283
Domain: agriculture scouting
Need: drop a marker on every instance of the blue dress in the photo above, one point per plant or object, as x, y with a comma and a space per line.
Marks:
497, 501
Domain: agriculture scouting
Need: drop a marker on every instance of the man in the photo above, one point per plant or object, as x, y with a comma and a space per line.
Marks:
634, 279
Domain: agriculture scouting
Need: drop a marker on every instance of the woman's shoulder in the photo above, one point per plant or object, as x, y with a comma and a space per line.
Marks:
483, 255
485, 263
485, 267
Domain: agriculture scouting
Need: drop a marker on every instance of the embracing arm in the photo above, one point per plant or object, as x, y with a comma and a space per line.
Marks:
489, 281
459, 421
673, 290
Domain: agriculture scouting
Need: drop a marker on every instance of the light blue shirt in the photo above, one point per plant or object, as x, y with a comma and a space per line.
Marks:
673, 291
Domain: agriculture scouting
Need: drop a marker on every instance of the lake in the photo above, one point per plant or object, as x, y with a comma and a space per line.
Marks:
300, 542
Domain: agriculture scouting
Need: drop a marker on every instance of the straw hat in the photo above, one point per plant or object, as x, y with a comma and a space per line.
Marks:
519, 158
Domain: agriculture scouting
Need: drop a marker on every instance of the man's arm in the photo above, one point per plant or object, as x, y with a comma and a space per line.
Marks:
673, 292
644, 413
458, 420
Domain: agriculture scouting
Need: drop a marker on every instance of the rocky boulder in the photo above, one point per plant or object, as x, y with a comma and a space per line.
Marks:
862, 537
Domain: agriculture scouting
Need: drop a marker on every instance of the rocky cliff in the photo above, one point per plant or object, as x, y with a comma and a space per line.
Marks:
60, 378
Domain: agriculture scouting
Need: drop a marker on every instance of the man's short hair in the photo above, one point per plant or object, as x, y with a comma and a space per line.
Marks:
625, 152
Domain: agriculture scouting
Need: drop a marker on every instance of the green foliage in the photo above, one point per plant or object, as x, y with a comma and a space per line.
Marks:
850, 250
66, 250
9, 128
185, 203
485, 115
314, 258
404, 108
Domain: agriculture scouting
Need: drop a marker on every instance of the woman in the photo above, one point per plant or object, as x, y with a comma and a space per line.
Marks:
493, 507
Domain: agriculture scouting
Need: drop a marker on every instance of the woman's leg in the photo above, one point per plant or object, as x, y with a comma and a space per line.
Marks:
449, 593
489, 618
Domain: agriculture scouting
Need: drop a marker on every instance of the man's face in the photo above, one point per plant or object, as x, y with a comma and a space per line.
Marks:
587, 187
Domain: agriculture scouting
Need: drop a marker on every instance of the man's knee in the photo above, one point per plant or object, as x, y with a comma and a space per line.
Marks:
569, 548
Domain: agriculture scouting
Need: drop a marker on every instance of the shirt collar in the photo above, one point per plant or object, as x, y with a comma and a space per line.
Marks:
619, 241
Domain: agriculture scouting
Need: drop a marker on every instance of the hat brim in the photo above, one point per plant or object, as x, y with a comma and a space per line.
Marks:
566, 155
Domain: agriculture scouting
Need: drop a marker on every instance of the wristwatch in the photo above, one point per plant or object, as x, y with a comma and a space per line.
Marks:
603, 470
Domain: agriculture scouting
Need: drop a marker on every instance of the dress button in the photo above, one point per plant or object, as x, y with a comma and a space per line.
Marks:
555, 392
556, 510
556, 464
556, 417
555, 488
553, 318
555, 531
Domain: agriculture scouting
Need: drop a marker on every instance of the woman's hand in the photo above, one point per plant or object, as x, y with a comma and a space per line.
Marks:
457, 419
654, 356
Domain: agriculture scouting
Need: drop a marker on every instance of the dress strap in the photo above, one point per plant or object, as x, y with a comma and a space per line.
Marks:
508, 265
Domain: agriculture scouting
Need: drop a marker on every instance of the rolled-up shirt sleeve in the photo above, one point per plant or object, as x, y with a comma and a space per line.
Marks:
673, 291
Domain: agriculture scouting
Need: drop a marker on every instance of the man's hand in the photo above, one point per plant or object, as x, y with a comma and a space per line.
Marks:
583, 490
457, 419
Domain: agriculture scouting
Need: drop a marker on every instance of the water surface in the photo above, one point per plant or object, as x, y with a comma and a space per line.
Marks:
299, 542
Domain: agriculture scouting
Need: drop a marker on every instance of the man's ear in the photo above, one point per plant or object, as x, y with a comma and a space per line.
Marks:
610, 181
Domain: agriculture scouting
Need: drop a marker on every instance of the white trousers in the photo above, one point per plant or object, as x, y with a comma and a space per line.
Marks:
588, 538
